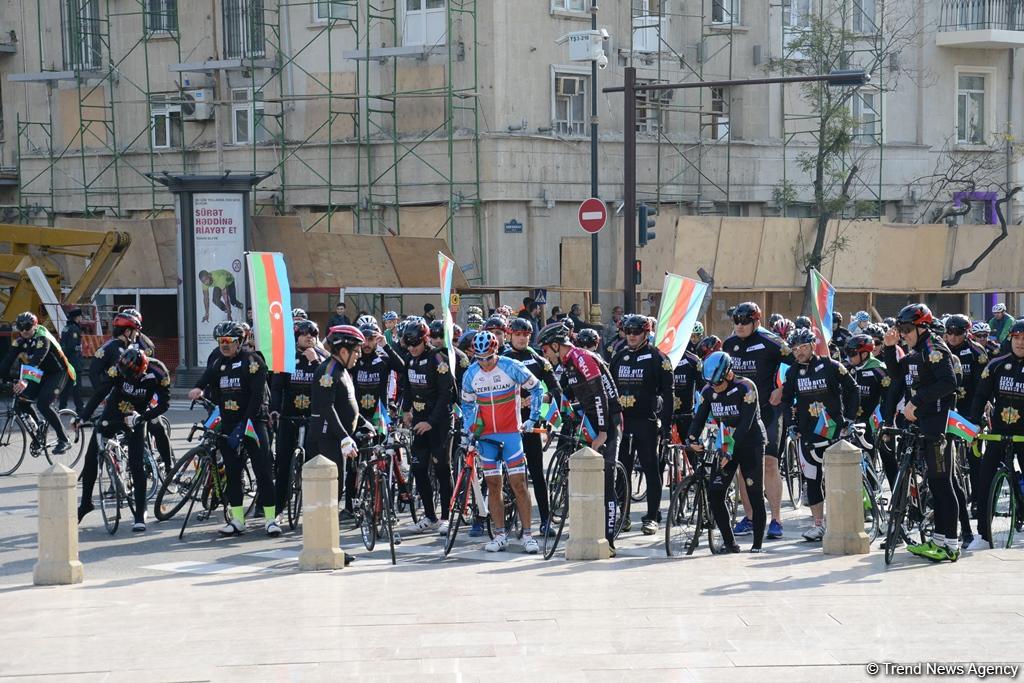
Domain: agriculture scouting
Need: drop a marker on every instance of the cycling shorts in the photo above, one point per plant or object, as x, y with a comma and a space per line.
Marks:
511, 452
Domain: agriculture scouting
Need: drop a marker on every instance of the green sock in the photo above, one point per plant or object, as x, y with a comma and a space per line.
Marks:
238, 513
269, 512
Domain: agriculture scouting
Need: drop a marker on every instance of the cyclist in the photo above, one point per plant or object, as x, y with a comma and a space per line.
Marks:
1002, 385
593, 387
237, 384
498, 326
859, 323
589, 339
826, 399
71, 343
615, 344
427, 390
873, 381
643, 377
732, 402
299, 314
520, 333
291, 397
1000, 323
390, 319
44, 369
436, 343
695, 336
756, 354
706, 346
474, 321
839, 336
980, 332
928, 388
783, 328
490, 405
973, 359
140, 394
801, 322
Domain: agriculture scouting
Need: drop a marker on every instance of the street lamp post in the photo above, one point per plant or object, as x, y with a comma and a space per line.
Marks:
844, 77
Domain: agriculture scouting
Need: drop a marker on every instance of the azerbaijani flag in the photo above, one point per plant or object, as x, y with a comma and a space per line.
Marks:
876, 419
681, 298
724, 440
588, 430
250, 431
550, 413
818, 305
382, 418
780, 377
55, 345
826, 426
446, 273
958, 425
213, 421
30, 373
272, 309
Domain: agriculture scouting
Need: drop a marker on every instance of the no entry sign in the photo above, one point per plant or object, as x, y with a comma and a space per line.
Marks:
593, 214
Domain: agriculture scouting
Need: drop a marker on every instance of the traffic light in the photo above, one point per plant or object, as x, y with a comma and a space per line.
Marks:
637, 272
646, 223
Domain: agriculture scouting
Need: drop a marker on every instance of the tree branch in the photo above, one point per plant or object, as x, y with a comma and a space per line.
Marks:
958, 275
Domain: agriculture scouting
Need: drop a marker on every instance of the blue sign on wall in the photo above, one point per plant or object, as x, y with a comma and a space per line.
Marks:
513, 227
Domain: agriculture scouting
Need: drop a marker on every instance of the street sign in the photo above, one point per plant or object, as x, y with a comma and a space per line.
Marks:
593, 214
540, 296
454, 301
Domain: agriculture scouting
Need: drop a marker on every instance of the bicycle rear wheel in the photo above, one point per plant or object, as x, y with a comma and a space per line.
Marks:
196, 492
154, 478
558, 509
71, 457
791, 472
1002, 511
622, 497
172, 494
13, 444
872, 513
456, 512
295, 488
638, 488
364, 511
110, 494
681, 528
513, 524
894, 532
386, 515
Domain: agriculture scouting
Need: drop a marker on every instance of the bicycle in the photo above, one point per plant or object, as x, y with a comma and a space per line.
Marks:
21, 433
689, 513
1005, 496
872, 495
294, 503
115, 489
374, 511
907, 507
790, 469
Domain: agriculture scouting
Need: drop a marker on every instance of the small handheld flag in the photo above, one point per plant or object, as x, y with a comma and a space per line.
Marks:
213, 421
724, 440
876, 419
780, 378
826, 426
250, 431
30, 373
958, 425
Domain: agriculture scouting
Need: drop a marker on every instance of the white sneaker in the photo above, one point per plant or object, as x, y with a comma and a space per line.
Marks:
442, 528
139, 527
421, 527
530, 546
273, 528
978, 543
814, 533
498, 544
232, 528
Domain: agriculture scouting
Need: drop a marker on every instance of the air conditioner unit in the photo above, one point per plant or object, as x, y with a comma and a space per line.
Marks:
569, 86
197, 105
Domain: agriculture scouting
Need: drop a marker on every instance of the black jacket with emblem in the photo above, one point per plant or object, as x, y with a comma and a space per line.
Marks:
539, 366
291, 393
149, 395
371, 372
334, 412
737, 408
103, 369
821, 384
927, 380
973, 359
40, 350
643, 377
872, 380
239, 388
686, 379
1002, 383
757, 358
428, 389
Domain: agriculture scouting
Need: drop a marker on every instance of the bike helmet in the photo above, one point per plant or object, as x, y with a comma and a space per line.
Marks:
957, 324
554, 333
414, 331
938, 326
999, 308
802, 336
1017, 329
707, 346
717, 367
299, 314
802, 322
889, 322
365, 319
133, 311
344, 337
876, 332
504, 311
370, 330
475, 310
588, 338
859, 343
25, 321
837, 318
698, 329
456, 334
132, 363
496, 322
389, 316
746, 313
306, 327
230, 328
861, 317
485, 344
915, 314
981, 328
246, 330
128, 319
520, 326
437, 329
474, 321
783, 328
636, 324
567, 321
466, 341
774, 318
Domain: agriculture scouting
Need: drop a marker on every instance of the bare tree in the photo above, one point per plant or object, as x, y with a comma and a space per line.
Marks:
959, 171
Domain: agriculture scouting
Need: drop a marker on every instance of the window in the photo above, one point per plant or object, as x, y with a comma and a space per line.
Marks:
81, 33
650, 110
970, 109
719, 117
646, 7
323, 10
570, 115
796, 19
725, 11
864, 16
243, 29
247, 118
866, 113
165, 121
425, 22
161, 16
568, 5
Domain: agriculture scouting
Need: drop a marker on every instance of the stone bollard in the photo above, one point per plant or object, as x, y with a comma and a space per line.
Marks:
58, 529
320, 516
844, 501
586, 507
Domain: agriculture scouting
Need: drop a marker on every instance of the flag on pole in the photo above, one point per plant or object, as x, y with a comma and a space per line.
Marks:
382, 418
213, 421
272, 309
876, 419
681, 298
818, 306
826, 427
250, 431
30, 373
446, 272
958, 425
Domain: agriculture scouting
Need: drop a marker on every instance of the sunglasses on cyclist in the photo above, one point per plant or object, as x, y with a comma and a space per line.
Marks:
955, 331
226, 340
744, 320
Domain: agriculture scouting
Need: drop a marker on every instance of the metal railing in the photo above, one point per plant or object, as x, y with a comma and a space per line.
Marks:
243, 29
973, 15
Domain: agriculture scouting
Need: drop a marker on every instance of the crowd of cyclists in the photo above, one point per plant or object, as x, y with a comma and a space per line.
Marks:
765, 381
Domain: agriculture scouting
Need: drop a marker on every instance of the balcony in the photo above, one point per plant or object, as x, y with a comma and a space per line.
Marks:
984, 24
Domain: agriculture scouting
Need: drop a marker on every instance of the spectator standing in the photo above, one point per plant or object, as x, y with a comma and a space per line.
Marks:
339, 317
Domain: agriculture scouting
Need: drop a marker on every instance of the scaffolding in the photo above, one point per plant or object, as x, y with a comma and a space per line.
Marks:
691, 169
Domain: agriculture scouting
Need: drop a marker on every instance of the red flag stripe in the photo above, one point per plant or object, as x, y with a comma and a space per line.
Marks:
682, 304
276, 326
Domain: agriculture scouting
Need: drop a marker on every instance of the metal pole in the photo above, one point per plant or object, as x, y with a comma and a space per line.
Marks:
595, 303
629, 182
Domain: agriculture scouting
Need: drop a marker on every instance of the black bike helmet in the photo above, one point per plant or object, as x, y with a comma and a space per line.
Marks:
555, 333
636, 324
229, 328
706, 346
1017, 329
957, 324
344, 337
496, 323
306, 327
837, 318
25, 321
588, 338
437, 329
414, 331
132, 363
520, 326
859, 343
915, 314
746, 313
774, 318
370, 330
466, 340
802, 336
802, 322
876, 332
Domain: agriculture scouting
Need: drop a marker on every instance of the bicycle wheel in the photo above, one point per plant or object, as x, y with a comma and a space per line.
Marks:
172, 495
622, 497
872, 513
1002, 511
295, 488
558, 518
638, 487
386, 514
154, 475
791, 467
557, 480
364, 510
13, 444
894, 532
110, 494
681, 525
70, 457
513, 524
455, 514
196, 492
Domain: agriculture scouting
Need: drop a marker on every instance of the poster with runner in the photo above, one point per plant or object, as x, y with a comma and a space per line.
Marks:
219, 241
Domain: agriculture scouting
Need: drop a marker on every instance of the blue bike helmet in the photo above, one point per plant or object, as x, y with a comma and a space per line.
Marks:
485, 344
717, 366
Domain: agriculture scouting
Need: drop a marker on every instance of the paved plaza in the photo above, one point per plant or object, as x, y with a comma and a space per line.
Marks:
153, 608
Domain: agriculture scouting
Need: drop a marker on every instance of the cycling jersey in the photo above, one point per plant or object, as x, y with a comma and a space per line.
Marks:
757, 357
372, 372
737, 408
590, 382
1002, 383
643, 377
41, 351
490, 398
927, 381
685, 381
291, 393
872, 381
973, 359
822, 387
